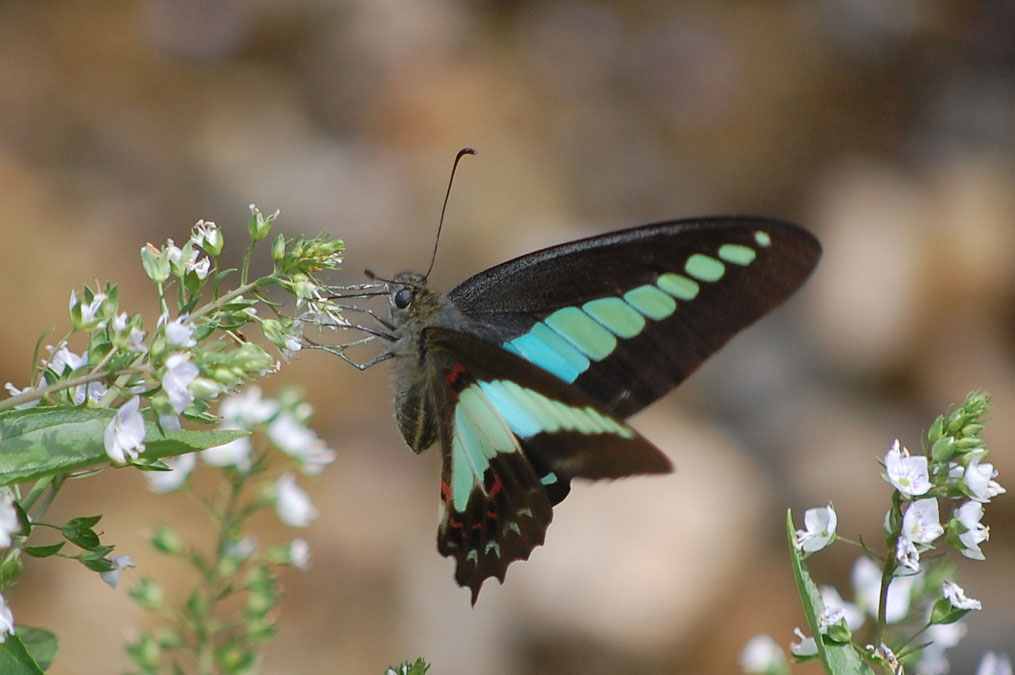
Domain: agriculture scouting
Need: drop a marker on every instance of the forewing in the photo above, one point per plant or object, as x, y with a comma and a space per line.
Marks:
626, 316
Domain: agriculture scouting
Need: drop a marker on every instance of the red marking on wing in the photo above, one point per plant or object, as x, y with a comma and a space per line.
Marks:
457, 371
446, 493
496, 487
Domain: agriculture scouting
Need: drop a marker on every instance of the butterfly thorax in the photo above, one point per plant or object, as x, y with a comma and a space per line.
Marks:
414, 307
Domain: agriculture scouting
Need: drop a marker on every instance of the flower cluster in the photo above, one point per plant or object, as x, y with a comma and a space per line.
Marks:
146, 383
893, 587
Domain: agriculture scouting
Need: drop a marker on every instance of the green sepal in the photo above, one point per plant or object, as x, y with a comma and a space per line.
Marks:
43, 551
838, 658
96, 560
79, 532
46, 441
944, 612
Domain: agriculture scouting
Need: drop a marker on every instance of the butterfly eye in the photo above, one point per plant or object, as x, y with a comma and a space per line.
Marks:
403, 298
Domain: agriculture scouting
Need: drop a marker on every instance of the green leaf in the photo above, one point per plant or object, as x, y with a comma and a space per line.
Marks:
45, 441
15, 658
838, 658
40, 643
43, 551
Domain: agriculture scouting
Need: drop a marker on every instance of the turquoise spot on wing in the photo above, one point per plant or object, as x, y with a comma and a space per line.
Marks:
651, 302
737, 254
678, 286
527, 412
473, 555
492, 546
763, 239
480, 433
551, 352
705, 268
549, 479
521, 414
513, 526
514, 350
616, 315
583, 332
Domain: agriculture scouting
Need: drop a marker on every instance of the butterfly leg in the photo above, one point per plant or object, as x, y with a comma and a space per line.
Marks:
339, 351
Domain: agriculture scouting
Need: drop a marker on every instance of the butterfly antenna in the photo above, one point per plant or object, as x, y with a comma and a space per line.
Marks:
440, 225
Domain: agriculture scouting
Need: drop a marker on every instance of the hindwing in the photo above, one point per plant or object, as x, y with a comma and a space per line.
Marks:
513, 436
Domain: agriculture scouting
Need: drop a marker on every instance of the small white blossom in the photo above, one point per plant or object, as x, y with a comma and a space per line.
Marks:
125, 433
292, 503
299, 554
180, 332
994, 664
921, 523
14, 391
89, 311
300, 443
957, 596
201, 267
979, 479
120, 563
806, 647
761, 655
234, 453
907, 474
969, 515
6, 620
884, 654
180, 372
820, 526
247, 409
831, 599
9, 523
243, 548
907, 554
179, 469
134, 338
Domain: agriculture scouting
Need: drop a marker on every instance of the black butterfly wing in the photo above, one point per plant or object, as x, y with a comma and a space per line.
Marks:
513, 436
626, 316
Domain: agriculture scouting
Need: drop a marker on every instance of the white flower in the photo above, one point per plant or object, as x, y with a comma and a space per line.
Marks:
88, 311
907, 554
14, 391
243, 548
120, 563
201, 267
921, 524
247, 409
300, 443
179, 468
820, 524
831, 599
994, 664
908, 474
6, 620
180, 372
292, 503
125, 433
180, 332
957, 596
867, 586
761, 655
9, 523
134, 338
299, 554
885, 654
969, 515
806, 647
978, 478
234, 453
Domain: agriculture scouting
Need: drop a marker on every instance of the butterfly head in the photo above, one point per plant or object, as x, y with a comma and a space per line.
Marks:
411, 298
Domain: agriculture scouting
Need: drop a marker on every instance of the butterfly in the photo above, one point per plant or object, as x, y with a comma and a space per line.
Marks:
525, 373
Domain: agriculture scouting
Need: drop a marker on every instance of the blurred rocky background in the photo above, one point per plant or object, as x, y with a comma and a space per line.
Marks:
887, 128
